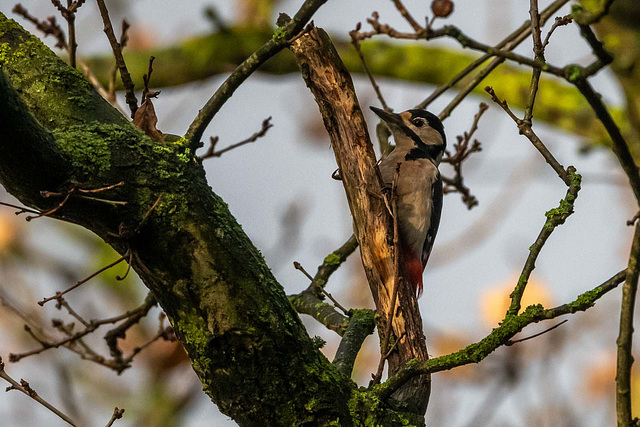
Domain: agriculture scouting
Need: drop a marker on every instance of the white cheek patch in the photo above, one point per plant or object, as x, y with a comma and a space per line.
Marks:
430, 136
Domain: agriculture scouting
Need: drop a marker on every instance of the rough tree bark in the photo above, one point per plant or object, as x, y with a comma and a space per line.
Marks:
245, 341
331, 85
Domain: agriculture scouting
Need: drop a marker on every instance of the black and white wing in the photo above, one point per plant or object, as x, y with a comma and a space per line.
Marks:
436, 209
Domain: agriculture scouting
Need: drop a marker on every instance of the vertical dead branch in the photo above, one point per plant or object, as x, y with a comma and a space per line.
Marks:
331, 85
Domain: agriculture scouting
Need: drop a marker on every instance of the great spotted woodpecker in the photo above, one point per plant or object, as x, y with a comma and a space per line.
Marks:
419, 145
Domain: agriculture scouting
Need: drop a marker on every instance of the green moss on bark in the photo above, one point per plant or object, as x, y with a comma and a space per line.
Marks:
246, 342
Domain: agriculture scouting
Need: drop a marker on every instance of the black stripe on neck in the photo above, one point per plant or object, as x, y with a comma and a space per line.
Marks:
421, 150
430, 152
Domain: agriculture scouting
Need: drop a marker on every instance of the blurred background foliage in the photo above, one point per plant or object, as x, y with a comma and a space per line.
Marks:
563, 378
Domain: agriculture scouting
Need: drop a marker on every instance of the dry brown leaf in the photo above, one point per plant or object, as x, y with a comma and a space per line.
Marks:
146, 119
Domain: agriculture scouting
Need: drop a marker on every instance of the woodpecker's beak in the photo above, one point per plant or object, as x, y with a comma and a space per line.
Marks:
389, 118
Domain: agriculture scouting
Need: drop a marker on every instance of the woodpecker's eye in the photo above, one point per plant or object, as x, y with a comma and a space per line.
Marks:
418, 122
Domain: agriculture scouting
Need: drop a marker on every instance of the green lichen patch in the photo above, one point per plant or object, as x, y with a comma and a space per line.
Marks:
573, 72
194, 334
58, 95
87, 147
367, 410
557, 216
280, 34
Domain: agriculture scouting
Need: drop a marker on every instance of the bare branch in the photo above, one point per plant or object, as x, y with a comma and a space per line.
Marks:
508, 43
555, 217
356, 44
81, 282
625, 334
526, 130
266, 125
26, 389
281, 39
463, 151
512, 342
117, 414
117, 52
619, 147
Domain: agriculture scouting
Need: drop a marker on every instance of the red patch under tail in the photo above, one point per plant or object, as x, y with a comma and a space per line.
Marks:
412, 267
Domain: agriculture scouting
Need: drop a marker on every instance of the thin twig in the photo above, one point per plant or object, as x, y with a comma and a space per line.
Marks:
120, 331
81, 282
356, 44
146, 78
21, 209
299, 267
407, 16
559, 22
131, 317
50, 211
266, 125
526, 130
512, 342
124, 39
310, 300
48, 27
129, 87
495, 62
465, 41
74, 190
117, 414
538, 50
384, 346
63, 303
25, 388
508, 43
71, 25
463, 151
69, 14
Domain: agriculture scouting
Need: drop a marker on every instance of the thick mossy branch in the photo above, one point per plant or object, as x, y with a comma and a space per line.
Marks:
361, 325
311, 300
308, 302
245, 341
333, 261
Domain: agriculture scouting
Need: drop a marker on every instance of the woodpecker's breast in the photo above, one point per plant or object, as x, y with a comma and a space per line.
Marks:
416, 179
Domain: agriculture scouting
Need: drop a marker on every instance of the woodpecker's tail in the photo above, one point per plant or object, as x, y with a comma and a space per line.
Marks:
413, 272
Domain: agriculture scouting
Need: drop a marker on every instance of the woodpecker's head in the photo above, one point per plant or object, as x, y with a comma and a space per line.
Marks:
417, 131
